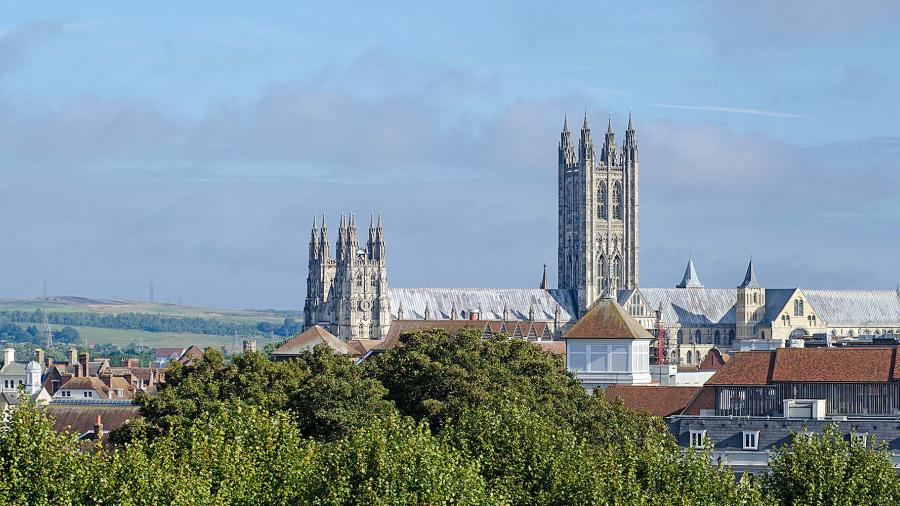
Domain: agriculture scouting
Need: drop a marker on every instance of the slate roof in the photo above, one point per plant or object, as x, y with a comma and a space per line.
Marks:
751, 280
696, 307
490, 301
708, 307
856, 308
654, 399
607, 319
690, 279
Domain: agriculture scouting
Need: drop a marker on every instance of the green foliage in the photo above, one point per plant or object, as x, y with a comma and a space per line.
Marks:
435, 377
326, 394
826, 469
395, 461
479, 422
40, 466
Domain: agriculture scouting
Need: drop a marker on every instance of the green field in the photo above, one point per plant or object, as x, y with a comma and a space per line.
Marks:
124, 337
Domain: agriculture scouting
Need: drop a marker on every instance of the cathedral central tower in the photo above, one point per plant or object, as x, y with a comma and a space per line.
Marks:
598, 214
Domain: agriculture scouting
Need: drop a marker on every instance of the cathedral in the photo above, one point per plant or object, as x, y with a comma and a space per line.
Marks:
597, 256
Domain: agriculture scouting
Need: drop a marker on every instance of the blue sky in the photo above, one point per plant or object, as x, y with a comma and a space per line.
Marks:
190, 143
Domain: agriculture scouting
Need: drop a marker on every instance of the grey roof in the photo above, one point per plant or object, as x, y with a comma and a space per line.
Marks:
696, 307
701, 307
690, 279
490, 301
776, 300
856, 308
750, 278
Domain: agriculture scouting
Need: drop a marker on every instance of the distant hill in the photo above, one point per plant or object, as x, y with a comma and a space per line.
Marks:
152, 324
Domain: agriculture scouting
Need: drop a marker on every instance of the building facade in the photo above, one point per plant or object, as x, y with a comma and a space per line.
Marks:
348, 293
598, 214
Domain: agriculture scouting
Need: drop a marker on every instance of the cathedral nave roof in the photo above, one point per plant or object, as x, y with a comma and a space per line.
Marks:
518, 303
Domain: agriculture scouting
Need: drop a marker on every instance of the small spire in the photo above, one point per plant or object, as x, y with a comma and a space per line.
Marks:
324, 226
453, 310
565, 122
585, 126
400, 311
531, 312
544, 283
609, 129
379, 219
630, 127
372, 220
690, 279
314, 221
750, 278
427, 311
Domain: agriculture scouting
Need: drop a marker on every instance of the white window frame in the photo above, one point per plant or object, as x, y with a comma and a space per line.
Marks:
697, 438
618, 353
860, 438
750, 440
578, 349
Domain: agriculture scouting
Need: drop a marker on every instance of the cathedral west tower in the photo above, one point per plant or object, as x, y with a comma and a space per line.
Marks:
598, 214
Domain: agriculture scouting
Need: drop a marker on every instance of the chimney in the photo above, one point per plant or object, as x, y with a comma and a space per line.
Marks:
250, 346
73, 356
131, 362
98, 428
9, 356
84, 360
49, 362
39, 355
474, 314
107, 380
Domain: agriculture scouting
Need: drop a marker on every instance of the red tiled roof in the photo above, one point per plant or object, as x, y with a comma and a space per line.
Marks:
452, 327
809, 365
301, 342
654, 399
746, 368
835, 365
167, 352
606, 319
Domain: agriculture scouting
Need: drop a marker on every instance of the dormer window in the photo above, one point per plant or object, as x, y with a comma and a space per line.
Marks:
697, 438
751, 440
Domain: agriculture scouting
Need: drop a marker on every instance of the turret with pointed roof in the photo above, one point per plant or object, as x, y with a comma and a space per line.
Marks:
750, 278
690, 279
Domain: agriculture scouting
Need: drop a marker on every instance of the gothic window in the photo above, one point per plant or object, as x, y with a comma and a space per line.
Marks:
786, 320
601, 264
681, 337
359, 280
601, 201
617, 270
372, 280
730, 336
617, 201
798, 307
697, 337
718, 337
689, 357
755, 300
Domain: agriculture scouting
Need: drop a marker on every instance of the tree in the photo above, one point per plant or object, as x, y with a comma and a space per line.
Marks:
435, 377
67, 335
395, 461
825, 469
326, 393
27, 441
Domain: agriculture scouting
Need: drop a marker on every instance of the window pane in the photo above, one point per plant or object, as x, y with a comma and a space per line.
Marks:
599, 358
577, 361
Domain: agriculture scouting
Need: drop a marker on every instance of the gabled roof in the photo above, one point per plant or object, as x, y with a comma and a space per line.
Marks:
300, 343
698, 307
192, 352
607, 319
86, 383
654, 399
690, 279
168, 352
